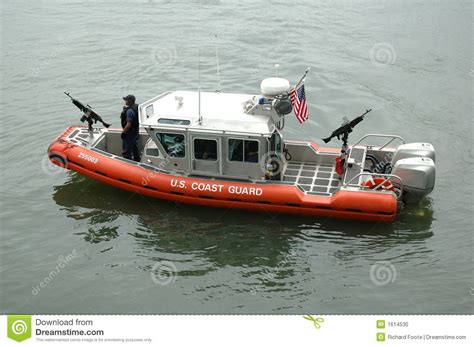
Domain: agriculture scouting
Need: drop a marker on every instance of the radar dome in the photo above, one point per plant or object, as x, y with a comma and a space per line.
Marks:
274, 86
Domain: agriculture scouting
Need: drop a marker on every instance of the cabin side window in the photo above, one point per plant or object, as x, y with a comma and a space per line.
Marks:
174, 121
275, 142
243, 150
173, 144
205, 149
149, 111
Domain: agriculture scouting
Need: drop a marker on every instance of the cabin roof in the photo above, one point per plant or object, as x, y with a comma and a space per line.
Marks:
220, 112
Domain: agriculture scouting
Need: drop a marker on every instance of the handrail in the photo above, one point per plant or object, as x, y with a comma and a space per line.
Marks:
386, 178
172, 127
392, 138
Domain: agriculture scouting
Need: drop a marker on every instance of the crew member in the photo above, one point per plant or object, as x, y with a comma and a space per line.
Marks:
129, 118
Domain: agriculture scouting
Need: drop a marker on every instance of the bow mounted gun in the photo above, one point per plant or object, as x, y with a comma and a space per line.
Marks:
89, 114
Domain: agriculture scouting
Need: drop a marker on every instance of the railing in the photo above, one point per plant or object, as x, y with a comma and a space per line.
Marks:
387, 178
390, 137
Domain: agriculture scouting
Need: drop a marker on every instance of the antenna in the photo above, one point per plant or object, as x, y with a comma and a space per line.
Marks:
277, 66
199, 90
218, 69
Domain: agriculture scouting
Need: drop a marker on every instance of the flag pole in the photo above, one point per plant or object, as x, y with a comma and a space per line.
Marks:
302, 79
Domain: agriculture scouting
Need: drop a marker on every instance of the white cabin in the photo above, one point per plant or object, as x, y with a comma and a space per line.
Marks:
212, 133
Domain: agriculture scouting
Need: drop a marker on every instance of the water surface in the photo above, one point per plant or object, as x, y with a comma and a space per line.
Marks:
410, 61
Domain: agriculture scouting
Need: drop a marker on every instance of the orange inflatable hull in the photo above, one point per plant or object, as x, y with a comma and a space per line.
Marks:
269, 197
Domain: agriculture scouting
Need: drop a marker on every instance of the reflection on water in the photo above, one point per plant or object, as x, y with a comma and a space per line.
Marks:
219, 237
102, 234
229, 260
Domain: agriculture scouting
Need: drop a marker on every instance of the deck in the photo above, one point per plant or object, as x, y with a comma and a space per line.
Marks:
317, 179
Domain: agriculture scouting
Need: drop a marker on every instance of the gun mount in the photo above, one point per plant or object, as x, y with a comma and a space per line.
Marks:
88, 113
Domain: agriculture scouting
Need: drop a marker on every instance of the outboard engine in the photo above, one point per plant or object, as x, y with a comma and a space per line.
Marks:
410, 150
414, 164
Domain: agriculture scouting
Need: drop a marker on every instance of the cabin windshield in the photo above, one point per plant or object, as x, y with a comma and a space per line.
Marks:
173, 144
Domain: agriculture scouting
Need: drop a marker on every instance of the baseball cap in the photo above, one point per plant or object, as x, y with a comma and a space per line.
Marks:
129, 97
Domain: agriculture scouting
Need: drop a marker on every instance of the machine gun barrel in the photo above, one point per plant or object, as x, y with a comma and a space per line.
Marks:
347, 127
89, 113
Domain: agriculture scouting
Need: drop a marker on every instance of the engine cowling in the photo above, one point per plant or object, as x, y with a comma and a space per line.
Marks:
418, 175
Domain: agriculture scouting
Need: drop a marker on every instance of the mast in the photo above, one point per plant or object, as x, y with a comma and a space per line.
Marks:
199, 89
218, 68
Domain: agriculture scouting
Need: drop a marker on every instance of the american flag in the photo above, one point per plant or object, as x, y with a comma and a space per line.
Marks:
298, 100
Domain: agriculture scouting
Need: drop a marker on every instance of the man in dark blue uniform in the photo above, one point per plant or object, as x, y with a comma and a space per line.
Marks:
129, 119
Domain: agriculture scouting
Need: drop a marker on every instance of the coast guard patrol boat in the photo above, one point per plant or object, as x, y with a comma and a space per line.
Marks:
227, 150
